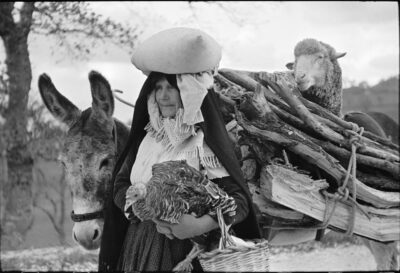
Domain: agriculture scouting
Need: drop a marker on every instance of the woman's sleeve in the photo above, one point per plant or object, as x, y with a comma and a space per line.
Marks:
232, 189
122, 183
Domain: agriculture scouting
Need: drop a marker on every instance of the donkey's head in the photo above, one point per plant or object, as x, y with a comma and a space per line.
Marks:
89, 153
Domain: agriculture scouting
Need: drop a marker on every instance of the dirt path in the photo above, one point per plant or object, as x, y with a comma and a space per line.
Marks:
311, 257
340, 258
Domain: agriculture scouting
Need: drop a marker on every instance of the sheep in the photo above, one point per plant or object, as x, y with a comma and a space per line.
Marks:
317, 74
319, 78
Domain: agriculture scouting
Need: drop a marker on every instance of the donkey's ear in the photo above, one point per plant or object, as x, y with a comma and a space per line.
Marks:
290, 65
58, 105
103, 99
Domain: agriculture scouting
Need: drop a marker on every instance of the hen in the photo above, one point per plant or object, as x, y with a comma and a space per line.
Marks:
176, 189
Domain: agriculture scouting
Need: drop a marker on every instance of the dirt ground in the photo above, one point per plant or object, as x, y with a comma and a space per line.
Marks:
308, 257
339, 258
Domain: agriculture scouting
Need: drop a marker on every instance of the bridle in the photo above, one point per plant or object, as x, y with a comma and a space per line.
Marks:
87, 216
100, 213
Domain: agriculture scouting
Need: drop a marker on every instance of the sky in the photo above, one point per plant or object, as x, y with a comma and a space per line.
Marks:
257, 36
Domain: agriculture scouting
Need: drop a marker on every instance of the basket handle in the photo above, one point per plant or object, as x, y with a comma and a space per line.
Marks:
226, 239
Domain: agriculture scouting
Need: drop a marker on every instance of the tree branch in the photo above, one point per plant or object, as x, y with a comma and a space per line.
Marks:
53, 221
26, 17
64, 18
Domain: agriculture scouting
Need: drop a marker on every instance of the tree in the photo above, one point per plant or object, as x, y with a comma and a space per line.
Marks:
45, 143
77, 29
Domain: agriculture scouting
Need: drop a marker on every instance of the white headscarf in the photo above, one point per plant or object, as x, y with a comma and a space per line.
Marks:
179, 137
193, 89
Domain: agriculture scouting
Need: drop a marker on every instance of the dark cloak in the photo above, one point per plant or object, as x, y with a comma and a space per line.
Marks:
215, 136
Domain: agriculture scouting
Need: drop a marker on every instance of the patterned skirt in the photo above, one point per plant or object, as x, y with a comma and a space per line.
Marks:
145, 249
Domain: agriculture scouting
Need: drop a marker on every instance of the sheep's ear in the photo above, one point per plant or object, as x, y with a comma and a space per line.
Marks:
290, 65
339, 55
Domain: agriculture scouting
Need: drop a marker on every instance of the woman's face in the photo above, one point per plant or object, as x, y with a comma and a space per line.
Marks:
167, 98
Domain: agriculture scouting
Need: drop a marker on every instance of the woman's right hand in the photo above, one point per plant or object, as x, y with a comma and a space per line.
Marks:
164, 229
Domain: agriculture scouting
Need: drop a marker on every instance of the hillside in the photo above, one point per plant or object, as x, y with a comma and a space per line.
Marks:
382, 97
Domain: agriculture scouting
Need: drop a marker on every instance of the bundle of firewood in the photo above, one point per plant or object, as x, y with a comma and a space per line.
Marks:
305, 165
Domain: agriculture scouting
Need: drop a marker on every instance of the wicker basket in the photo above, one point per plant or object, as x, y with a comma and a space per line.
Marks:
235, 258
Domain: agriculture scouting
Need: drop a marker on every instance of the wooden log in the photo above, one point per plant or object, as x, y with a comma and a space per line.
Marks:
294, 141
338, 152
372, 148
270, 209
302, 194
325, 131
288, 78
390, 167
378, 180
265, 77
270, 128
264, 151
317, 109
238, 78
248, 80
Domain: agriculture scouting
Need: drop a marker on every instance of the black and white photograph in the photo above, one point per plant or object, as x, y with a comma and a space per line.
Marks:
195, 136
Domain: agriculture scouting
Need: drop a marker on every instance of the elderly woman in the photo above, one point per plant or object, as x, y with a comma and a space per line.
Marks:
176, 117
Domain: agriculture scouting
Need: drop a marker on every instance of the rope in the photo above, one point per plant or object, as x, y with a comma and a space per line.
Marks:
342, 192
115, 135
121, 99
286, 158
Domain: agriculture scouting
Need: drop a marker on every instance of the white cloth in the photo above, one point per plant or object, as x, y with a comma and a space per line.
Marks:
193, 150
193, 88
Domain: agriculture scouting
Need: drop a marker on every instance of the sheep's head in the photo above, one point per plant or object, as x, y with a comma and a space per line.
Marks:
314, 61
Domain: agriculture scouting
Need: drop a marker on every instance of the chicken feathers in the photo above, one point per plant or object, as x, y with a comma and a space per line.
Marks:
176, 189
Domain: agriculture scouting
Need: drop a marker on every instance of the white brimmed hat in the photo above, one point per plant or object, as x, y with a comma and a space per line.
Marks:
177, 51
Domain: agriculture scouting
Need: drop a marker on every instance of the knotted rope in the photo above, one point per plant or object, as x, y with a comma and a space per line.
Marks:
342, 194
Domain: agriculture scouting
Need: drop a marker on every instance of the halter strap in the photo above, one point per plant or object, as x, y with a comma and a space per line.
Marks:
87, 216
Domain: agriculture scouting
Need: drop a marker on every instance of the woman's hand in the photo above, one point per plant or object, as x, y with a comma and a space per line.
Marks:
164, 229
189, 226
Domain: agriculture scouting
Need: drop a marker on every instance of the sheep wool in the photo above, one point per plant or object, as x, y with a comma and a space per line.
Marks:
330, 95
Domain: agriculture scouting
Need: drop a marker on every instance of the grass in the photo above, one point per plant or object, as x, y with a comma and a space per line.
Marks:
50, 259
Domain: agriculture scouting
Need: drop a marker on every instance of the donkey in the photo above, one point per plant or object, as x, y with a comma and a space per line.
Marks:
92, 145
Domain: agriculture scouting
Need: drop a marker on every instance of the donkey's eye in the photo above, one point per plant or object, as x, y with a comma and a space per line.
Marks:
104, 163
